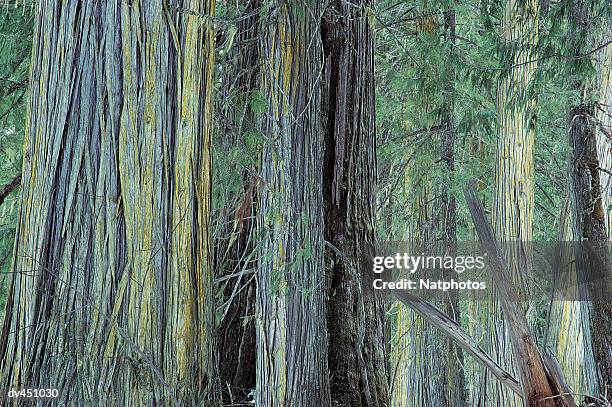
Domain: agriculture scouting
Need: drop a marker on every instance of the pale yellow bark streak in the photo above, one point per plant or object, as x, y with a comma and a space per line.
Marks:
513, 197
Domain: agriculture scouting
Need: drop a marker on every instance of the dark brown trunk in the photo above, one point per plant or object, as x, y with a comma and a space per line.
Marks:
355, 319
112, 299
590, 229
587, 195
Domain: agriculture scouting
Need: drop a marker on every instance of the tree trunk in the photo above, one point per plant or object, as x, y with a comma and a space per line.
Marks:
513, 197
514, 168
290, 317
590, 228
569, 333
455, 388
112, 302
588, 193
355, 316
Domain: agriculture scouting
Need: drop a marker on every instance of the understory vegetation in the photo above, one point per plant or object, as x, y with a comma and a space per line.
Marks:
187, 189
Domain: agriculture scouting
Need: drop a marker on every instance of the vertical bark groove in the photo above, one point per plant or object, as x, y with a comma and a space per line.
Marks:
355, 315
112, 299
290, 311
513, 197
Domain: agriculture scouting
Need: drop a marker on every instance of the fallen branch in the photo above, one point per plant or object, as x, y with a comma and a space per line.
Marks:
539, 383
454, 331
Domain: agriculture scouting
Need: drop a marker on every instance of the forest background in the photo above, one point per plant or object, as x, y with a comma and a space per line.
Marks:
185, 187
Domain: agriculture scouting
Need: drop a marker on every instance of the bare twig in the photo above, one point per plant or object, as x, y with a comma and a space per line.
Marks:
10, 187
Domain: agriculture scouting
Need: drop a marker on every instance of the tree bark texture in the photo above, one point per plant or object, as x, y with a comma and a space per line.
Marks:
290, 317
569, 333
111, 299
235, 247
589, 194
591, 230
355, 315
514, 177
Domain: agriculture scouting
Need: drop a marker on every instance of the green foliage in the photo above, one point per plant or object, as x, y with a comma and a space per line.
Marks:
422, 77
258, 102
15, 43
418, 70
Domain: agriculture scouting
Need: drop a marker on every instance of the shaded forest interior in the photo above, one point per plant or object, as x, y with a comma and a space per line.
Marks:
187, 188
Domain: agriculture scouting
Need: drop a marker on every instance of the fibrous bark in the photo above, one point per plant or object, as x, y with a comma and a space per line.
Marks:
355, 315
290, 310
569, 333
593, 261
111, 301
513, 197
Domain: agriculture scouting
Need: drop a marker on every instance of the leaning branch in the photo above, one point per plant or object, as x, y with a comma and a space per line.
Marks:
454, 331
539, 383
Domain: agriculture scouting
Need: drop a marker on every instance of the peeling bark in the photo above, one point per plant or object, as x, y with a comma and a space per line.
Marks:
569, 333
112, 296
588, 191
514, 177
290, 311
591, 229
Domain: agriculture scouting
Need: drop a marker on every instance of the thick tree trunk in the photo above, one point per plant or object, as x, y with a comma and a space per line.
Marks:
112, 299
514, 168
589, 194
355, 316
290, 317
